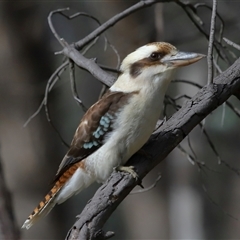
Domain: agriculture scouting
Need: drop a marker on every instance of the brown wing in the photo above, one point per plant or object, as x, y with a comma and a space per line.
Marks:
94, 128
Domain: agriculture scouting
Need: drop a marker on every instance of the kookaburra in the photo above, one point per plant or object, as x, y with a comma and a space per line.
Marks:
118, 125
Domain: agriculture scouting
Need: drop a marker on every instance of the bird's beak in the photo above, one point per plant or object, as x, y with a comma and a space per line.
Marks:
182, 59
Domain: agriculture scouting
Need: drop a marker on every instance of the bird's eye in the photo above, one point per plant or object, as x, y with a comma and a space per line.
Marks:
155, 56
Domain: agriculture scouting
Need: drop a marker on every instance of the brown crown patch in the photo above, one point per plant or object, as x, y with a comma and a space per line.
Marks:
162, 50
163, 46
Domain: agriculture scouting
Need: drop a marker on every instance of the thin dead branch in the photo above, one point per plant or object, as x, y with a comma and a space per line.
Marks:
220, 160
89, 65
51, 24
210, 44
52, 124
191, 11
234, 109
190, 147
73, 86
189, 157
112, 21
148, 188
231, 43
217, 204
51, 82
187, 82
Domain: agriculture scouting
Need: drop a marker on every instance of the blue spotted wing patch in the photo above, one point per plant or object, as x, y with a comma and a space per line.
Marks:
99, 134
95, 126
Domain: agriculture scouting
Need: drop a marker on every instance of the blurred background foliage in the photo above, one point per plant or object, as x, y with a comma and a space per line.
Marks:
179, 207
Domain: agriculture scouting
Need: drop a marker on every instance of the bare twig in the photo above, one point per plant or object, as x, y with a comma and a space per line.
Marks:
77, 14
190, 147
217, 66
51, 82
181, 96
187, 82
74, 55
223, 113
50, 121
198, 5
88, 65
73, 86
216, 204
53, 79
171, 101
71, 50
210, 44
191, 11
93, 42
34, 114
190, 158
220, 160
116, 53
148, 188
210, 142
53, 126
229, 42
89, 46
51, 24
112, 21
235, 110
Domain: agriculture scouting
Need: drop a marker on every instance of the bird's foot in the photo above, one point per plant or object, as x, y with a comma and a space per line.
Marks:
127, 169
130, 170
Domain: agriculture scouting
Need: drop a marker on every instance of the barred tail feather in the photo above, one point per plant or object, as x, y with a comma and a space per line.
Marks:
69, 183
42, 209
33, 218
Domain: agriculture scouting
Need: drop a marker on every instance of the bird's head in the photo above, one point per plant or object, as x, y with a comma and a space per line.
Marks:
157, 57
153, 61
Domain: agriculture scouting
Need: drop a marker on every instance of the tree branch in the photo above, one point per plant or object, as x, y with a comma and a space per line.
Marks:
88, 64
112, 21
210, 45
93, 217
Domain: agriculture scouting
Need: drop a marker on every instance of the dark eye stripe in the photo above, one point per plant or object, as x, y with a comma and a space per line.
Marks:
137, 67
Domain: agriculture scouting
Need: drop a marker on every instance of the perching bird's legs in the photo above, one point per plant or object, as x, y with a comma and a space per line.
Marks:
127, 169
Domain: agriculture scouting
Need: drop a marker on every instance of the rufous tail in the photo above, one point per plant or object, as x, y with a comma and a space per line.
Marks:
50, 200
43, 208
